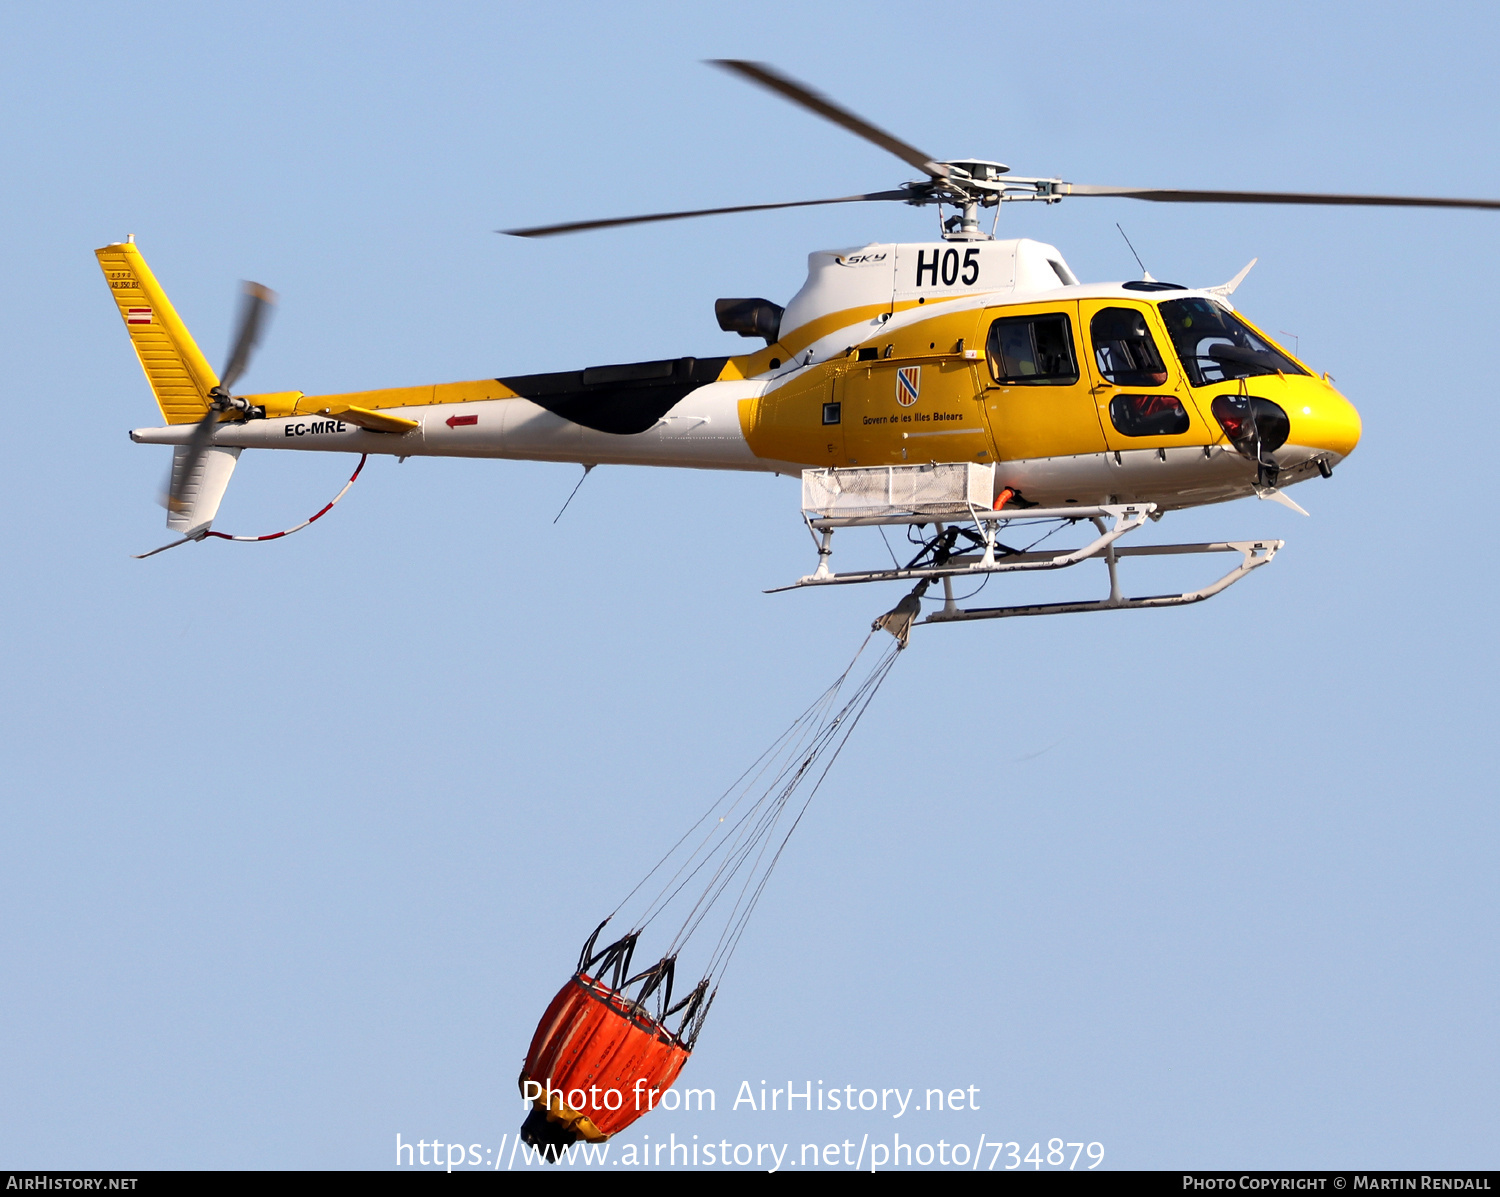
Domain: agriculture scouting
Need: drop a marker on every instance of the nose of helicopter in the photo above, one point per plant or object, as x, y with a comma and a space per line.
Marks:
1295, 422
1322, 419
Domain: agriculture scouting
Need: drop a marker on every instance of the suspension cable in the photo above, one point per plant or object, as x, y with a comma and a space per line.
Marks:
728, 854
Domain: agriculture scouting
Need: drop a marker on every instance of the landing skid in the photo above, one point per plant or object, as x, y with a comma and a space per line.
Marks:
1253, 554
965, 543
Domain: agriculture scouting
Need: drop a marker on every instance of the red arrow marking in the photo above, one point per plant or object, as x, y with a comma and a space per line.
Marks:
459, 421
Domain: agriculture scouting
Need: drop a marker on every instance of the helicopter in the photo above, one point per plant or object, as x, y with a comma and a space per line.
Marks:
967, 388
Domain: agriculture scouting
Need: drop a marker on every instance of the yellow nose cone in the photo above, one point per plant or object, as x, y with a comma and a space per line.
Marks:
1333, 423
1320, 417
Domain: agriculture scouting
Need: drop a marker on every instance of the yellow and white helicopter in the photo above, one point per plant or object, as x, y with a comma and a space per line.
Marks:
958, 387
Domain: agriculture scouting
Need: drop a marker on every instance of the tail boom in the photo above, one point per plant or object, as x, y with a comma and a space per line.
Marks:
704, 431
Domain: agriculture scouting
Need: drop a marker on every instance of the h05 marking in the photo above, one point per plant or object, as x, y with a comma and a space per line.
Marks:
952, 268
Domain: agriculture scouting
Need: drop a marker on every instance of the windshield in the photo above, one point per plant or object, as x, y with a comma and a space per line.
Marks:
1214, 346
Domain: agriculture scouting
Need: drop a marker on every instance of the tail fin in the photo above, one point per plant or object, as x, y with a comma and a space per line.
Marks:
202, 491
179, 374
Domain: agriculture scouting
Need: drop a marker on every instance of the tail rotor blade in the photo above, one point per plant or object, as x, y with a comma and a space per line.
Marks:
254, 309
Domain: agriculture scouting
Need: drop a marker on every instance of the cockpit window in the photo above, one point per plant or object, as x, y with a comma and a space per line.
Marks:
1214, 346
1123, 349
1032, 350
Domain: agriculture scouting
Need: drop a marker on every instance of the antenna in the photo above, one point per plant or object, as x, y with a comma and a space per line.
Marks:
587, 470
1145, 274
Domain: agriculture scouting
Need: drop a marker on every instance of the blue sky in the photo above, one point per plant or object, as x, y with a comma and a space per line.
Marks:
302, 837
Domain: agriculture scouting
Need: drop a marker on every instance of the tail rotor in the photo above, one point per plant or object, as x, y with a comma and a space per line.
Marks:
255, 310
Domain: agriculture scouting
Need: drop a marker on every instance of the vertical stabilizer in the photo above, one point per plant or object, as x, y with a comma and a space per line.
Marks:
179, 374
201, 492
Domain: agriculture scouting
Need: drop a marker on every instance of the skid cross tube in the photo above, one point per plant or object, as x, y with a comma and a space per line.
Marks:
1127, 518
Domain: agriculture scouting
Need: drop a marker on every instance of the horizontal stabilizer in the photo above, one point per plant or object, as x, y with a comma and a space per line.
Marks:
372, 421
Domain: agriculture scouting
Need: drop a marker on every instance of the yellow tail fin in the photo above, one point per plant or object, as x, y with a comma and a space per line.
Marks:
179, 374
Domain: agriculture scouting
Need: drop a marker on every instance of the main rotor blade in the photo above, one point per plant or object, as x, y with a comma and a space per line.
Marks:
804, 96
254, 306
1164, 195
583, 226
